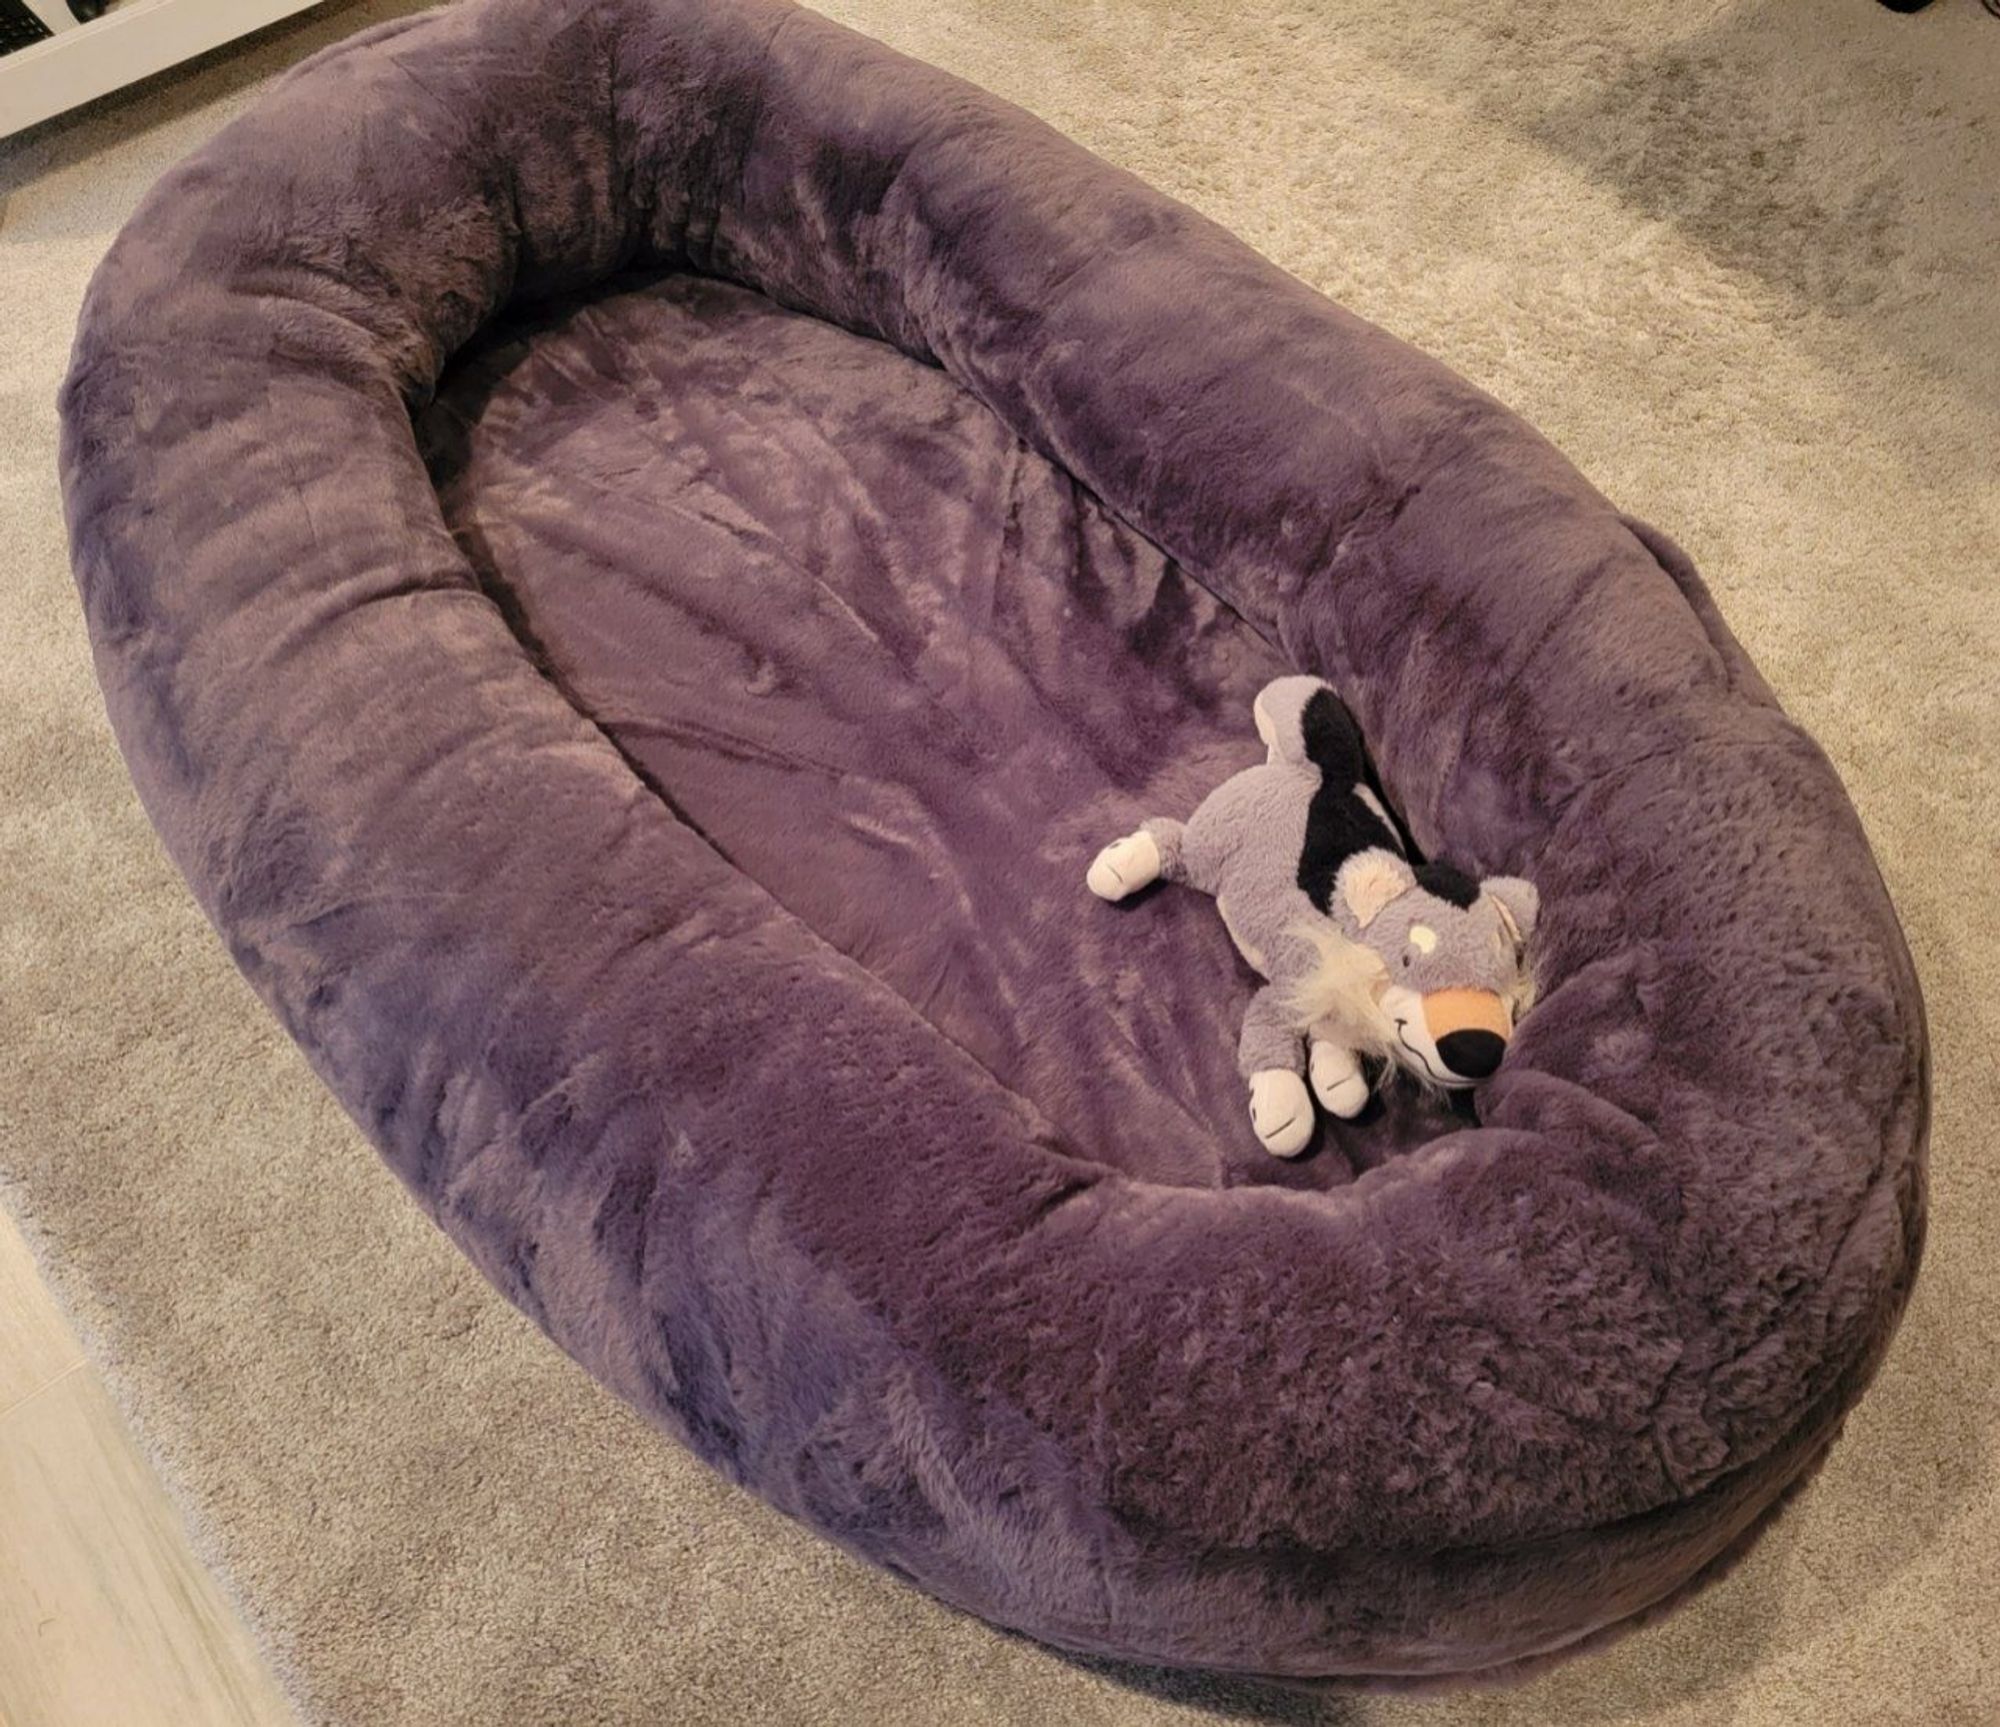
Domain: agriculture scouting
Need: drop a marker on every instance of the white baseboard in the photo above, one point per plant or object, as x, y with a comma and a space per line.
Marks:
131, 41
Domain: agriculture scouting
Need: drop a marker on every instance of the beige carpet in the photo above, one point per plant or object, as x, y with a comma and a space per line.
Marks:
1737, 256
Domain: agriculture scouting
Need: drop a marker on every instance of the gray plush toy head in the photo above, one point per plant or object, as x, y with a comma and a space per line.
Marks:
1453, 951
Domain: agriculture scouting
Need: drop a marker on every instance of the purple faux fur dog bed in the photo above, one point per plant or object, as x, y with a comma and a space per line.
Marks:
636, 550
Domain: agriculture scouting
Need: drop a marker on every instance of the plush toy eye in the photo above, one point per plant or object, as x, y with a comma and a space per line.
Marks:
1406, 962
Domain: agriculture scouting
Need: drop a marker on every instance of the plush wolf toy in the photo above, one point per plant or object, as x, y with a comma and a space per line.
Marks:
1366, 954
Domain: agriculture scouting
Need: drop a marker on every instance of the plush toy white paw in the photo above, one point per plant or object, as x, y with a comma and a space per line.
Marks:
1125, 866
1337, 1080
1281, 1110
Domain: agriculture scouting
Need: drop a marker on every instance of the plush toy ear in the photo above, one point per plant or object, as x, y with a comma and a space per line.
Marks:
1519, 904
1369, 880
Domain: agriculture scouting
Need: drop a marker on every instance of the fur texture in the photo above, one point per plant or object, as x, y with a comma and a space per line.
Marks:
626, 814
1341, 991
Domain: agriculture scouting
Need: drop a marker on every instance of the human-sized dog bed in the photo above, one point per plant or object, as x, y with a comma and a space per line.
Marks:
637, 549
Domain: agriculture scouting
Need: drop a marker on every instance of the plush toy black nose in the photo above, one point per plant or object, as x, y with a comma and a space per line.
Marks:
1472, 1054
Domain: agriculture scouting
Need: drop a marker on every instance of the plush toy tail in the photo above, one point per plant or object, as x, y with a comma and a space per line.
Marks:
1339, 993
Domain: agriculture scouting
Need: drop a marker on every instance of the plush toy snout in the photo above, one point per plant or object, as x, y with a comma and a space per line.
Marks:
1470, 1028
1454, 1037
